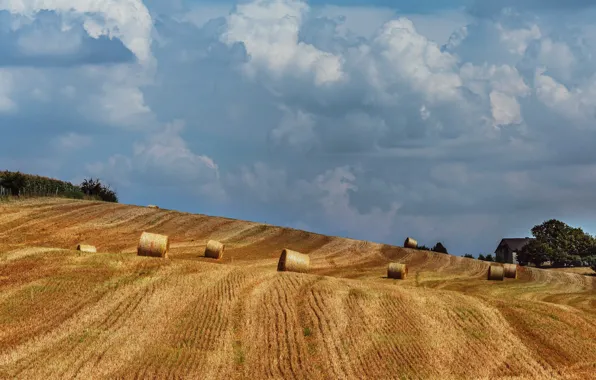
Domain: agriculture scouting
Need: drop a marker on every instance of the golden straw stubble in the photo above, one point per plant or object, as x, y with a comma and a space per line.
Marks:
510, 270
214, 249
154, 245
397, 270
495, 272
292, 261
86, 248
410, 243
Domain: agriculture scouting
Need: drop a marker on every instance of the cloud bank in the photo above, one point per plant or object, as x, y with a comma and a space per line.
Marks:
287, 112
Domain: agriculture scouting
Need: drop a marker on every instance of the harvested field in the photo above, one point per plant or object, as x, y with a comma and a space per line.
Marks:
581, 270
113, 314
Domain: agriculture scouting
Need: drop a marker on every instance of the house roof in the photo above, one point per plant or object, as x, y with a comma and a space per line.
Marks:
515, 244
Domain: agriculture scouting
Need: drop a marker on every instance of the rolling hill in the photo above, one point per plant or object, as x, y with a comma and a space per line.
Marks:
112, 314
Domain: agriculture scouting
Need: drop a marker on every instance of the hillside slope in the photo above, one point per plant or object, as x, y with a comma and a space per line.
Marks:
112, 314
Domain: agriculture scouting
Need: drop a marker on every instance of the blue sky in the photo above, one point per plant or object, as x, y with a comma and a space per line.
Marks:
410, 6
453, 121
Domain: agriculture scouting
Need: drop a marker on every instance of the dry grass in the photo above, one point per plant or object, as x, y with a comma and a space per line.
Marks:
582, 270
117, 315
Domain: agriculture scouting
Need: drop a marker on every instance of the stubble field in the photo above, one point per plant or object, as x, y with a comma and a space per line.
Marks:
112, 314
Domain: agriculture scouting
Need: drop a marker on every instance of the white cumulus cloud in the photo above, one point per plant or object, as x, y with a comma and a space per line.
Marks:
127, 20
578, 103
269, 31
404, 56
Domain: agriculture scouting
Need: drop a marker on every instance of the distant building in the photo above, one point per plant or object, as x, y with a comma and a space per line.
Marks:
508, 248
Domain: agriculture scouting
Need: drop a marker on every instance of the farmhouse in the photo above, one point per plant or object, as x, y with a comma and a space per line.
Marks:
508, 248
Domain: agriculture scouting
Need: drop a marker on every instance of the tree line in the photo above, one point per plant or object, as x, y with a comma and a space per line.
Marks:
554, 242
439, 247
559, 244
19, 184
488, 257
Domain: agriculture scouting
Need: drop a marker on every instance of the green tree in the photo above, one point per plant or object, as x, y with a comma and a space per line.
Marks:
91, 186
535, 252
14, 181
576, 261
469, 256
481, 257
108, 195
94, 188
582, 243
591, 260
439, 247
560, 243
489, 257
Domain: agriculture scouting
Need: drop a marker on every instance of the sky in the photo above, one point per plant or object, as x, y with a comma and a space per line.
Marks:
458, 121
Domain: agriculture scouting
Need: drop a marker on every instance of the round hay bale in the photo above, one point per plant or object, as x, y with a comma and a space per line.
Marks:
293, 261
214, 249
410, 243
154, 245
495, 272
86, 248
510, 270
153, 206
397, 270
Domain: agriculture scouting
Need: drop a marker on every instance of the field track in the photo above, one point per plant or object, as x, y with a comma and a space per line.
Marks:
111, 314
